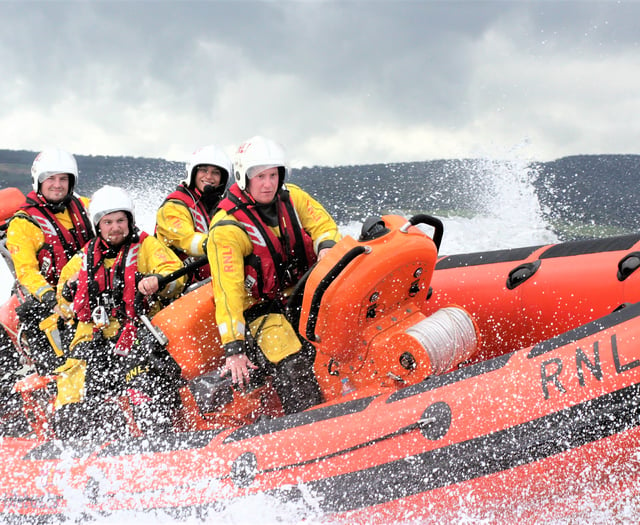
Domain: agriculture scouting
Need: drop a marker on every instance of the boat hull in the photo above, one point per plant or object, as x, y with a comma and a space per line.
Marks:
541, 413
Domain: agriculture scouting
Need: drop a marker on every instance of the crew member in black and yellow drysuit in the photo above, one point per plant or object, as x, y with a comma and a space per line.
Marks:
111, 356
265, 236
41, 238
182, 221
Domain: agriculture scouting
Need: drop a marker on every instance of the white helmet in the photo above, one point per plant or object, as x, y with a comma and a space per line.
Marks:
50, 162
109, 199
258, 154
210, 155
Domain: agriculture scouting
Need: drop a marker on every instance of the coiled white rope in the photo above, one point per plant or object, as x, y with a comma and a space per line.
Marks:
449, 337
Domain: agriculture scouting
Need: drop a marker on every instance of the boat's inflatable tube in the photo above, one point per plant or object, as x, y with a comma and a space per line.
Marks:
518, 427
522, 296
11, 200
9, 318
190, 326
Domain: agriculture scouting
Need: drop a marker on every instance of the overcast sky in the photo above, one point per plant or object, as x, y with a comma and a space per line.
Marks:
336, 82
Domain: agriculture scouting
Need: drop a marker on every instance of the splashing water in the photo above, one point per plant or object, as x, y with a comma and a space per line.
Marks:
510, 213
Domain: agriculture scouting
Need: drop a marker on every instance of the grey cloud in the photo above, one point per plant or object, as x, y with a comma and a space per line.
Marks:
307, 72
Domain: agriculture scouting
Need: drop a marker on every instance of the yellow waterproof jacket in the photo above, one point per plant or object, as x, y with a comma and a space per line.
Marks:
227, 247
153, 259
174, 226
24, 240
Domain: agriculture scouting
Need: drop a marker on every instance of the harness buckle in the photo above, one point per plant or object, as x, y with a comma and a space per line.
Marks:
100, 317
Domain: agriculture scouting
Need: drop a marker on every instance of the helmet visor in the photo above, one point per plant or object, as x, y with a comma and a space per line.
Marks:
47, 174
255, 170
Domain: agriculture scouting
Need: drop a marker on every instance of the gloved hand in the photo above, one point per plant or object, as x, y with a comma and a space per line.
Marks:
204, 245
49, 300
69, 290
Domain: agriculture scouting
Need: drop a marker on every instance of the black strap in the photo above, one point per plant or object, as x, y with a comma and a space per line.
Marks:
300, 256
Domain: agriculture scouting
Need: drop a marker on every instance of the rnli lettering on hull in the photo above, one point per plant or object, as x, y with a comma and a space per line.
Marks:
551, 370
586, 360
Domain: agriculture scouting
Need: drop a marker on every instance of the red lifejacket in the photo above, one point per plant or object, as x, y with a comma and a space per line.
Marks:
60, 244
199, 214
114, 288
276, 262
201, 219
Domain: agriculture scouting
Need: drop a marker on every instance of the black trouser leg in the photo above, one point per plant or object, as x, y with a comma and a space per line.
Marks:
154, 379
44, 358
42, 354
296, 383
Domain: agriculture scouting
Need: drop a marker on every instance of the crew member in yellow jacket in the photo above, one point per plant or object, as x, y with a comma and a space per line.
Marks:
182, 220
262, 240
41, 238
112, 356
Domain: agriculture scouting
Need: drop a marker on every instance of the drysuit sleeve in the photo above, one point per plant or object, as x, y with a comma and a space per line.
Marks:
314, 219
174, 227
24, 241
156, 259
227, 247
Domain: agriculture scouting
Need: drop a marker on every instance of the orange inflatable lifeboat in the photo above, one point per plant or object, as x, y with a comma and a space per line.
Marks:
496, 378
